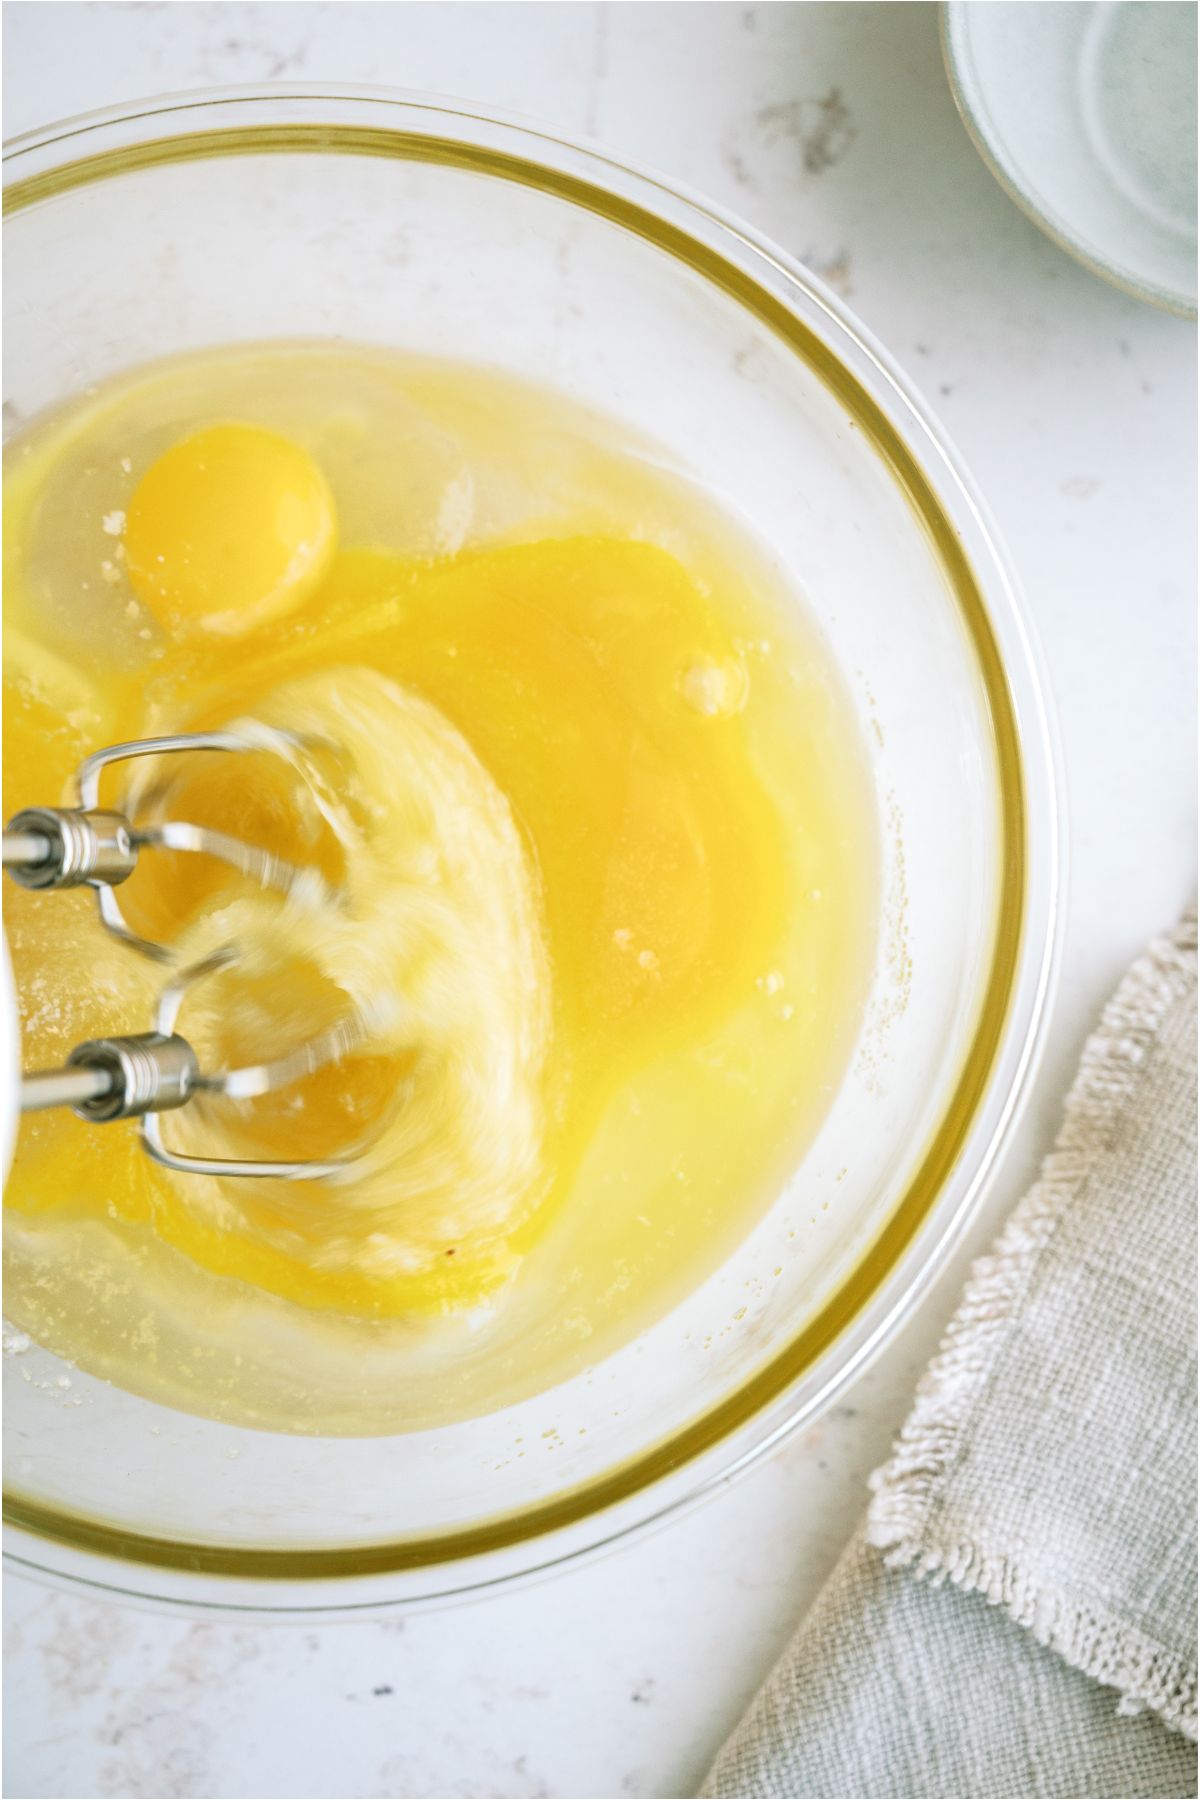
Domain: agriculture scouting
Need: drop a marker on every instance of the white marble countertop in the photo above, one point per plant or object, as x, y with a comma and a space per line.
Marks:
831, 127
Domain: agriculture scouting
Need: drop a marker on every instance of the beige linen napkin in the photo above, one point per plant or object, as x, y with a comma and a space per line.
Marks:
1048, 1468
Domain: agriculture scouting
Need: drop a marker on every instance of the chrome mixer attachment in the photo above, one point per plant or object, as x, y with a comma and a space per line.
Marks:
148, 1073
87, 845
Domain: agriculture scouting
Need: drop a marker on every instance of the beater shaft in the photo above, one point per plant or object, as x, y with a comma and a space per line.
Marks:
63, 1087
117, 1078
81, 847
26, 849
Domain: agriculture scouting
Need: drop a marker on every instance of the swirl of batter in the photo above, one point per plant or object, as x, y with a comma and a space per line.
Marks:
435, 940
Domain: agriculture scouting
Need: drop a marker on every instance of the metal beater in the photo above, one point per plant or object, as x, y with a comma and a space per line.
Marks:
147, 1073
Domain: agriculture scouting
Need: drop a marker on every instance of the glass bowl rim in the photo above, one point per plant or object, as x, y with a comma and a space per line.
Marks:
995, 1074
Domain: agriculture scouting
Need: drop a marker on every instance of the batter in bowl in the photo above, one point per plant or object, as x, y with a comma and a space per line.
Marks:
593, 804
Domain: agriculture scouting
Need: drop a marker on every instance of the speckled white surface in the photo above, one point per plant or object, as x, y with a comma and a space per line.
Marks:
832, 128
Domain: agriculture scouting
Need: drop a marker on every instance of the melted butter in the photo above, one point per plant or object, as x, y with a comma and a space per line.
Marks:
605, 843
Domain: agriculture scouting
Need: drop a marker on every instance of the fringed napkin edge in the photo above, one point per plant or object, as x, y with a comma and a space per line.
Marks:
906, 1490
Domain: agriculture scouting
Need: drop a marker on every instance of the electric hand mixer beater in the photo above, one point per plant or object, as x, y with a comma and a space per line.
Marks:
143, 1075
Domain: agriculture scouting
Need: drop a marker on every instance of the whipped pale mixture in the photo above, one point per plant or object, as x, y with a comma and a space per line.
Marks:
597, 860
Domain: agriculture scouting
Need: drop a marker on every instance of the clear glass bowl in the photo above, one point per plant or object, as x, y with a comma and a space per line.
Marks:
224, 217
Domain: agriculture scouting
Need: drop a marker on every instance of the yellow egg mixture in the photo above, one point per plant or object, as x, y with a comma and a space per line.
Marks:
598, 852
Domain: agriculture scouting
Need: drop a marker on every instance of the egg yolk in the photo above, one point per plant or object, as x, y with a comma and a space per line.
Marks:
232, 527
